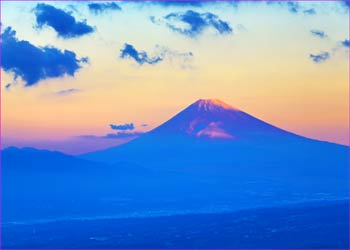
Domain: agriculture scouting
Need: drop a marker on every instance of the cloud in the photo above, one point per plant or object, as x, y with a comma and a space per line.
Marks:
32, 63
345, 43
8, 86
293, 7
119, 135
161, 53
98, 8
318, 33
62, 22
127, 126
144, 125
85, 59
179, 3
184, 59
346, 4
192, 23
67, 92
321, 57
311, 11
140, 57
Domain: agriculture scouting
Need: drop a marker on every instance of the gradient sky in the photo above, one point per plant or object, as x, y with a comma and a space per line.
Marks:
285, 63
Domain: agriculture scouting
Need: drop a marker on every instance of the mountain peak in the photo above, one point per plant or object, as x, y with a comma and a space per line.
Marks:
214, 119
212, 104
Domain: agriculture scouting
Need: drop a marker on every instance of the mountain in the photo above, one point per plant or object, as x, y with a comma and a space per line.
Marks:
210, 157
42, 184
214, 143
212, 132
29, 160
214, 119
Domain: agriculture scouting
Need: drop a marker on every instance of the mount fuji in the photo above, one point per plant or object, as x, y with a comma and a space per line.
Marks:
214, 119
215, 148
210, 157
211, 133
221, 152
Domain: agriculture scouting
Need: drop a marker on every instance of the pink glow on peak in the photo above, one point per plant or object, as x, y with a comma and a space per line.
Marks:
213, 104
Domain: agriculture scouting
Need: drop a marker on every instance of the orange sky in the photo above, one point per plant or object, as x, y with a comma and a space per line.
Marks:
262, 68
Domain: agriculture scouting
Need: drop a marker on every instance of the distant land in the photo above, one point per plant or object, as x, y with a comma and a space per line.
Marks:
304, 226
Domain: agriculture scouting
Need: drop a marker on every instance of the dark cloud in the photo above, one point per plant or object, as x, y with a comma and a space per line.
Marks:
67, 92
196, 23
98, 8
318, 33
32, 63
62, 22
127, 126
345, 43
321, 57
140, 57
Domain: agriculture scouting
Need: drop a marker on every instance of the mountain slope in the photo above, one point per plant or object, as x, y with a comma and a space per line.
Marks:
214, 119
212, 142
212, 132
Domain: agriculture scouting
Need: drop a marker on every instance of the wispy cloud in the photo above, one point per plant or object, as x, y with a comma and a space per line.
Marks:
293, 7
321, 57
318, 33
32, 63
121, 135
310, 11
118, 135
183, 59
67, 92
161, 53
192, 23
99, 8
62, 22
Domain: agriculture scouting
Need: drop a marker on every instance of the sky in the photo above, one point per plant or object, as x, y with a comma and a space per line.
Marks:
83, 76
